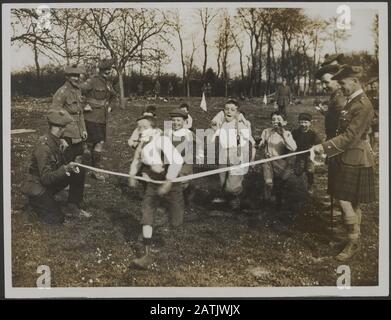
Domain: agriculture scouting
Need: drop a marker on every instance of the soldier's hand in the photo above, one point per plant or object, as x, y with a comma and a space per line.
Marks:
164, 188
84, 135
109, 109
72, 167
63, 145
87, 108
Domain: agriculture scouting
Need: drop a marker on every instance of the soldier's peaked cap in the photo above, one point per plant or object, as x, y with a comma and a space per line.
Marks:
329, 58
74, 69
106, 64
330, 68
347, 71
178, 113
59, 117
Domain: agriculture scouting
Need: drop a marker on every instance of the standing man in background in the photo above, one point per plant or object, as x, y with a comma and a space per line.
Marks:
283, 97
100, 99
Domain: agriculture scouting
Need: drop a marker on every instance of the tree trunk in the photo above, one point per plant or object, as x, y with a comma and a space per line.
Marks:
37, 66
121, 88
268, 59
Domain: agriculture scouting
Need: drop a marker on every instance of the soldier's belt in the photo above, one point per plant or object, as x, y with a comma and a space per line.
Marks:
95, 102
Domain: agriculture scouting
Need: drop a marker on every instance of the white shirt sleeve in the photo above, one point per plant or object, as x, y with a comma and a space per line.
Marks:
173, 157
133, 138
290, 143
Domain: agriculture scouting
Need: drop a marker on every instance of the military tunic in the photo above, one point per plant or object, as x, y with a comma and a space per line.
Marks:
100, 95
335, 105
47, 176
69, 98
353, 176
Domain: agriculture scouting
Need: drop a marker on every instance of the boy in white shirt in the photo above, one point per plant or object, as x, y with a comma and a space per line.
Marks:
234, 149
186, 143
158, 159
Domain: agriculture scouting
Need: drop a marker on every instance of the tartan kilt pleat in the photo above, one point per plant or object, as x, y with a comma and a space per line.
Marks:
354, 184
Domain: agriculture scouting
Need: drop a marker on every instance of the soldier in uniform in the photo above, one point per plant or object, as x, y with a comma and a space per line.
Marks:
353, 180
100, 99
68, 97
373, 95
283, 97
337, 100
49, 173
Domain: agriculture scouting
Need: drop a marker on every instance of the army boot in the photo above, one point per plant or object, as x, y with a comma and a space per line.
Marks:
353, 245
145, 261
351, 248
96, 159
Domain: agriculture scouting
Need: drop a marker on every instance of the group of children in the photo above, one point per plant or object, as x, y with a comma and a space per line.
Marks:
170, 154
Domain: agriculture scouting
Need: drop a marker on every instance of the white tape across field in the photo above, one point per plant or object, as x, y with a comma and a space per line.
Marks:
204, 173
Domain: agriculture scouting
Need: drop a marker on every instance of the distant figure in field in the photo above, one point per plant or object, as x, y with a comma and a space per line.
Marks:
283, 97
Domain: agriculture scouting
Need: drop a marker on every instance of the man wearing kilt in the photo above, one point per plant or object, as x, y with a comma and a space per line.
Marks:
100, 97
353, 175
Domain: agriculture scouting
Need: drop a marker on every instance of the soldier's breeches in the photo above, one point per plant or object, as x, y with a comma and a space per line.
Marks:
47, 209
174, 200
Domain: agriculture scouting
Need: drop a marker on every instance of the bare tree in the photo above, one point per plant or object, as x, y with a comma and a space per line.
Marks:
122, 33
375, 31
189, 62
335, 34
27, 30
206, 16
177, 26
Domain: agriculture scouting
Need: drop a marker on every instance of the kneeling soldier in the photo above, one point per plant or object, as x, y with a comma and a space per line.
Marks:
49, 173
151, 156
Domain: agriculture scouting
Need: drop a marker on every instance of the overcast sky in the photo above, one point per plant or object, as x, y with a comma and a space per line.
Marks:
361, 38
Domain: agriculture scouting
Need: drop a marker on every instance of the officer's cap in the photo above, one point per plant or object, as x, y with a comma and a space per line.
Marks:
330, 68
59, 117
347, 71
305, 116
178, 113
106, 64
74, 69
329, 58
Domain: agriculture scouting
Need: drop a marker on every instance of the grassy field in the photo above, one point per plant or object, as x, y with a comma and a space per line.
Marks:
214, 247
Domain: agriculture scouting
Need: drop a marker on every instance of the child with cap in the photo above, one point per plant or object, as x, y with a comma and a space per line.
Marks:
189, 120
305, 138
276, 141
134, 139
157, 158
188, 145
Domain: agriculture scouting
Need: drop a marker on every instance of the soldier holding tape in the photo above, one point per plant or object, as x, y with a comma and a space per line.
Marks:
49, 173
353, 180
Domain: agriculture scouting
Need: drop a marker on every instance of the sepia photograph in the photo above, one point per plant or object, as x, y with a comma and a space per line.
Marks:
195, 149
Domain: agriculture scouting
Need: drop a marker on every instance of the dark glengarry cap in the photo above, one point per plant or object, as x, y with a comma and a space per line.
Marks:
178, 113
305, 116
74, 69
330, 58
105, 64
330, 68
347, 71
59, 117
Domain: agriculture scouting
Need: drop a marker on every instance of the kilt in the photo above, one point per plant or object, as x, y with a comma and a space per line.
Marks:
96, 131
353, 184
